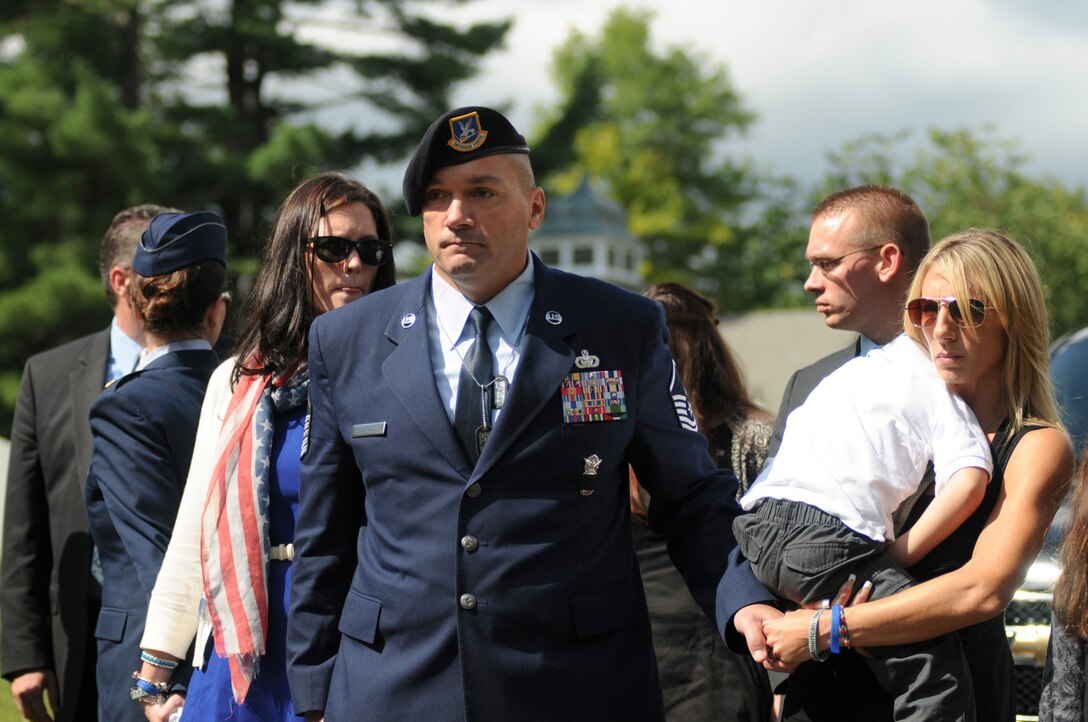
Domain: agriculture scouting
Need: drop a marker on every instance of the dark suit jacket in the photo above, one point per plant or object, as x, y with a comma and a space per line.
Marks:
801, 385
47, 549
143, 428
497, 592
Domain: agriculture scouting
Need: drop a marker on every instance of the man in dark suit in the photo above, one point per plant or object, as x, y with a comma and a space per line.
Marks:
864, 246
464, 517
49, 597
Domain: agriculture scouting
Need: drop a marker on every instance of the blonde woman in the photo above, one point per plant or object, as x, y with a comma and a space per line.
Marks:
977, 304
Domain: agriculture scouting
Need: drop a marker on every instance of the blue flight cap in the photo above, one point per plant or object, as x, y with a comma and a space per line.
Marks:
177, 240
459, 136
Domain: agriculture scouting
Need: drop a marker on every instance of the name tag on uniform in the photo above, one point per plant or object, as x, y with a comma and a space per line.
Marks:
593, 396
361, 431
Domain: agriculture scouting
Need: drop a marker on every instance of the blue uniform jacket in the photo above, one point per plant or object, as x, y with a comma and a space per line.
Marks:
498, 592
143, 429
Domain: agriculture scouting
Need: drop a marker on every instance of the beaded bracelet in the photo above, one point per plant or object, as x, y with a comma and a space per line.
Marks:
844, 633
813, 632
158, 661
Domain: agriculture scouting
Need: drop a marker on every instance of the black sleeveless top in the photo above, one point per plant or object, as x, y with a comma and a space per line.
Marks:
844, 689
956, 550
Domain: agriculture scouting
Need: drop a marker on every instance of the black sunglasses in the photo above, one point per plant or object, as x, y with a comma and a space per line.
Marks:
922, 312
334, 249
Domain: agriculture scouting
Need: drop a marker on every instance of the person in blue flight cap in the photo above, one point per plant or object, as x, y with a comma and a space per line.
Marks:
464, 520
143, 428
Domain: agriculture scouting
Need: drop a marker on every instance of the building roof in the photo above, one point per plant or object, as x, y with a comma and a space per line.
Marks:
583, 211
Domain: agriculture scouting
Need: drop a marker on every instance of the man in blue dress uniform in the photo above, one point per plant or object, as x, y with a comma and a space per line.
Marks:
464, 519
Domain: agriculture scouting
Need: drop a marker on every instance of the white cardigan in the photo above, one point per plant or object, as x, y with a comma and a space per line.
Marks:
177, 613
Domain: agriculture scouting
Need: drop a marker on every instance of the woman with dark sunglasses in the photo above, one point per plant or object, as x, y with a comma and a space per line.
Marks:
979, 304
227, 573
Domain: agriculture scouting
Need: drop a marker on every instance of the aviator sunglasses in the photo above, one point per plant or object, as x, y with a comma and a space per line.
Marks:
334, 249
922, 312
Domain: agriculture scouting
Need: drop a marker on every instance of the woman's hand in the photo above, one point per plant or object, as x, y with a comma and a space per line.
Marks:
787, 636
162, 712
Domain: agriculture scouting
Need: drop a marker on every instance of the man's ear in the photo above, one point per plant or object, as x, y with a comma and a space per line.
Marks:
118, 279
891, 262
536, 208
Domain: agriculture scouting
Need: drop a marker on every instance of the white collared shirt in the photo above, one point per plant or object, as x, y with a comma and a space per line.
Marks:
191, 344
450, 340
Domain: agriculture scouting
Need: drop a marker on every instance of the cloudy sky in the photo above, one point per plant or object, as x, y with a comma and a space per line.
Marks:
820, 73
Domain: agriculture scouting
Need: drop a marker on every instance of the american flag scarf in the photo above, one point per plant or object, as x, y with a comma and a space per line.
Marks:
234, 540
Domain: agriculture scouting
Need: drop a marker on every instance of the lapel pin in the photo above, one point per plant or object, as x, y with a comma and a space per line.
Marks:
585, 483
408, 320
585, 361
553, 317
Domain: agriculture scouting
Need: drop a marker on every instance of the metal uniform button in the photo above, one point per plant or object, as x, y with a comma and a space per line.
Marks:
468, 601
474, 491
469, 543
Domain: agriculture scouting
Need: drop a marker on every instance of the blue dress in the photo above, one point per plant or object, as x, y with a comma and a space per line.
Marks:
269, 698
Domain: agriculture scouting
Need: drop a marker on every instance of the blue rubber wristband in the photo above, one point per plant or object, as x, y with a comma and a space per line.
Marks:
147, 686
836, 620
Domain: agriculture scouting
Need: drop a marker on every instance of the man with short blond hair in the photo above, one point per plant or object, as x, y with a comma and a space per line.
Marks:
864, 246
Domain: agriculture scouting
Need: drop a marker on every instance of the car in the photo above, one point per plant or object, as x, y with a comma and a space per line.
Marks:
1069, 372
1027, 618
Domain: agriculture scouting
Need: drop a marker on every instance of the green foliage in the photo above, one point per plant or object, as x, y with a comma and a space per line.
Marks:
105, 104
765, 267
650, 124
61, 303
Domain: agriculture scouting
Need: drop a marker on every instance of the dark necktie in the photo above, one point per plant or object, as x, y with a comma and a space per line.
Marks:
472, 415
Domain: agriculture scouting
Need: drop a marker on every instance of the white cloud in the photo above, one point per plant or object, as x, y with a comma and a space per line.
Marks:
819, 74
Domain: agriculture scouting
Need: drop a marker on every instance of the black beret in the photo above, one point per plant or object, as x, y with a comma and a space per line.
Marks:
177, 240
459, 136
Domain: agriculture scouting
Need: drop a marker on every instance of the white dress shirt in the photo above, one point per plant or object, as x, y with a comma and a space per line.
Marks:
450, 340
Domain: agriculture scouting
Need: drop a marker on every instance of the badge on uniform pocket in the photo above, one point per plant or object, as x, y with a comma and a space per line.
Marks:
362, 431
593, 396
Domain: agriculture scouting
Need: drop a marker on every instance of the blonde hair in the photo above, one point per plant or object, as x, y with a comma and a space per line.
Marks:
985, 262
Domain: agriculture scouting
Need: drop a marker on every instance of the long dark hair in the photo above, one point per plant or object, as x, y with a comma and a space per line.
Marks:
707, 369
281, 305
1071, 589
